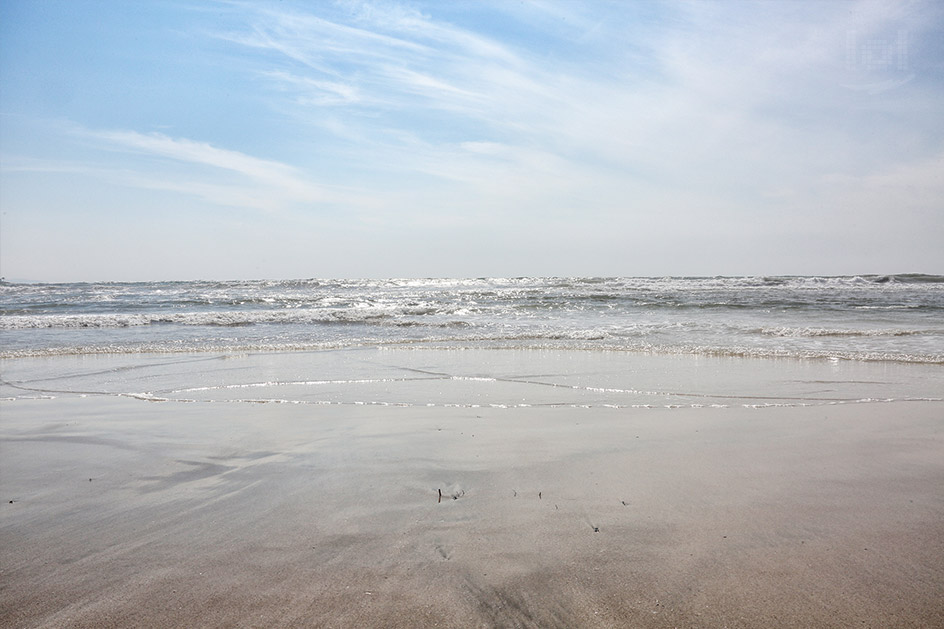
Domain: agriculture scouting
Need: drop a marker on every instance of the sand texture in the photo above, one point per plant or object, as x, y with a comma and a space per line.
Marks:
125, 513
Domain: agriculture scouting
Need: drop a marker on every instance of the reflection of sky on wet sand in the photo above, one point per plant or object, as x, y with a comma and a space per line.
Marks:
473, 378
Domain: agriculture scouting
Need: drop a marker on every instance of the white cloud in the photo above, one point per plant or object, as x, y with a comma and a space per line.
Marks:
575, 121
317, 92
221, 176
734, 104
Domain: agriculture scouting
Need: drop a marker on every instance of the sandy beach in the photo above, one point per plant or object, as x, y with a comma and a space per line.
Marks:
409, 314
122, 512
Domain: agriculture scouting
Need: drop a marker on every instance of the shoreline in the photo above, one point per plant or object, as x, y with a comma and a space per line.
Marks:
480, 345
471, 377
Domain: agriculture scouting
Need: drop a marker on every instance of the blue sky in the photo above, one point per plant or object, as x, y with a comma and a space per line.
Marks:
186, 140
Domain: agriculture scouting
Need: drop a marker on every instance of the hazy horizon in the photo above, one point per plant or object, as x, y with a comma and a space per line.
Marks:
434, 278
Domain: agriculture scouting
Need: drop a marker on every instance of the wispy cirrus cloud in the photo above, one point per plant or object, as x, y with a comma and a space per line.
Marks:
387, 54
682, 122
221, 176
203, 154
677, 105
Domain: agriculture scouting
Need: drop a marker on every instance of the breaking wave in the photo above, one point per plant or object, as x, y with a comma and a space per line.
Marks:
865, 317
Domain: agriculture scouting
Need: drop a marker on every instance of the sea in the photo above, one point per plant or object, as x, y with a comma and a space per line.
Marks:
869, 317
888, 331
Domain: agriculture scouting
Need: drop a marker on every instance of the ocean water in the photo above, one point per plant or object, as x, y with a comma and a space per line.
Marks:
577, 342
865, 318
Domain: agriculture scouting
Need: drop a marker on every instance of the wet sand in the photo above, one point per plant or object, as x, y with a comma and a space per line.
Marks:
119, 512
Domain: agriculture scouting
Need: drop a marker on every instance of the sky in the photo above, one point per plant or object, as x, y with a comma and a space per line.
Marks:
239, 140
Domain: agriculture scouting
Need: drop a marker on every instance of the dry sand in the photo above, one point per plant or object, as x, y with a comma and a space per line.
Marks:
124, 513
